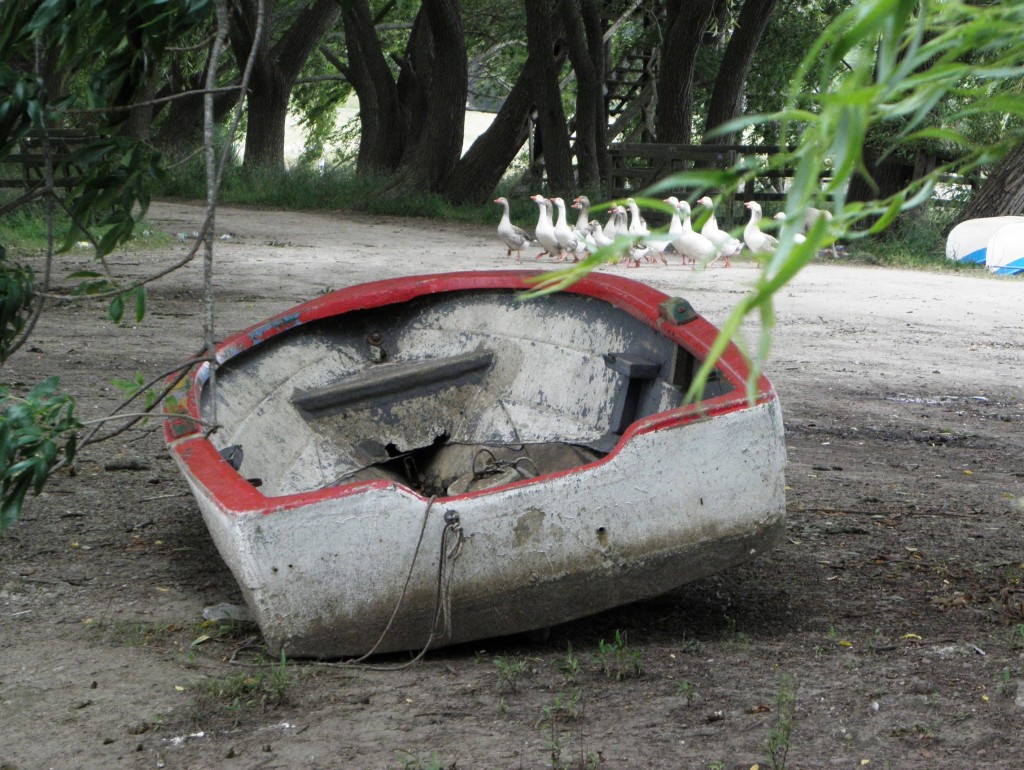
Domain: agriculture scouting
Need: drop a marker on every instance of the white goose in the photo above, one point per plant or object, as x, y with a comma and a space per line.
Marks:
689, 243
568, 243
759, 243
583, 220
545, 231
727, 245
658, 245
514, 237
637, 224
596, 237
797, 237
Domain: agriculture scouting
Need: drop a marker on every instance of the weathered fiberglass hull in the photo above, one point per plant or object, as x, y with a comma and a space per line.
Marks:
484, 464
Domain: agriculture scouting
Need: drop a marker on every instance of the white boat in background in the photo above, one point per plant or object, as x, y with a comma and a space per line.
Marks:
1004, 254
968, 241
429, 460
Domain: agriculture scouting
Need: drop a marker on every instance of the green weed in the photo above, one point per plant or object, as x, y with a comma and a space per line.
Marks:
570, 665
616, 659
781, 734
1017, 637
687, 690
509, 673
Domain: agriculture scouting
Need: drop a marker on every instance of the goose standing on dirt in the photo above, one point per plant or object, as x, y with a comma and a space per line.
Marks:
568, 243
515, 238
811, 216
545, 232
759, 243
727, 245
689, 243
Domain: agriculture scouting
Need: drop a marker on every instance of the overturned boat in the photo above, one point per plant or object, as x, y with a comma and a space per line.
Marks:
431, 460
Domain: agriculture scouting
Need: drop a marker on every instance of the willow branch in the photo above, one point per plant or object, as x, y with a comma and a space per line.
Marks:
182, 370
150, 102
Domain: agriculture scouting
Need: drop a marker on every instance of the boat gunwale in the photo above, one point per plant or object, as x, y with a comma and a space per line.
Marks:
236, 496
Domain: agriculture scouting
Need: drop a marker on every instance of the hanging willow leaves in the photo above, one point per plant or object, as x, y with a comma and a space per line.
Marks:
36, 432
16, 300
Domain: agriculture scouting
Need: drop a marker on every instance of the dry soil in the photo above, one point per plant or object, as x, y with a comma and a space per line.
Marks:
887, 630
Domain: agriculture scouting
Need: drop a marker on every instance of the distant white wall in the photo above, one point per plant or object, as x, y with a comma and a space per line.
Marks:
294, 141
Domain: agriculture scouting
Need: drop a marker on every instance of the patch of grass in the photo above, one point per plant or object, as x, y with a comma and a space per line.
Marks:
570, 665
242, 692
687, 690
307, 187
567, 707
1017, 637
919, 242
188, 637
564, 707
130, 633
23, 231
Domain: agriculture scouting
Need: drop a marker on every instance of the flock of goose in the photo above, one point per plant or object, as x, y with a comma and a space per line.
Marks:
564, 242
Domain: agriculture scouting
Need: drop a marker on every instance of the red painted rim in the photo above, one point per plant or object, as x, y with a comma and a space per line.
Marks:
234, 495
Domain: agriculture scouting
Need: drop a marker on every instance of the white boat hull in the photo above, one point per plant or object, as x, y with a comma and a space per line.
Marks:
684, 493
968, 241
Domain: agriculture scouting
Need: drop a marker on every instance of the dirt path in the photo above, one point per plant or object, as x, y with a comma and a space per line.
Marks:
893, 613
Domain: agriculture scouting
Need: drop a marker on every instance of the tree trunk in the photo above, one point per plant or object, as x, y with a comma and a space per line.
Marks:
382, 122
181, 130
266, 117
414, 76
274, 71
727, 94
547, 98
442, 83
480, 170
1002, 193
888, 175
588, 63
685, 23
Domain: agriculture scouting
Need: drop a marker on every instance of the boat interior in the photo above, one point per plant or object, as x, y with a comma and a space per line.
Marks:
448, 393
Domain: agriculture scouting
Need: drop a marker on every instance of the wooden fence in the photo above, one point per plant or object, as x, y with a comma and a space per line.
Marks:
26, 166
635, 167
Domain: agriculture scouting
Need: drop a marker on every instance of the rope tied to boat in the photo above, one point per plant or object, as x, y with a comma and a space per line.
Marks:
495, 465
452, 538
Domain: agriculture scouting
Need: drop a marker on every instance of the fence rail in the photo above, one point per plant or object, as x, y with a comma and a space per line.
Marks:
26, 166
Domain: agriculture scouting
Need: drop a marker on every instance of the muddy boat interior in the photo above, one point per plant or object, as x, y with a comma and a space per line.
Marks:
448, 393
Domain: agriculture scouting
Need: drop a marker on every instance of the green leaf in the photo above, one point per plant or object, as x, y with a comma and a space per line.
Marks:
116, 309
140, 303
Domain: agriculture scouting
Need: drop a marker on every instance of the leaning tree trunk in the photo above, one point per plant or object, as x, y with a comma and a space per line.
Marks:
1002, 193
551, 122
727, 94
684, 29
480, 170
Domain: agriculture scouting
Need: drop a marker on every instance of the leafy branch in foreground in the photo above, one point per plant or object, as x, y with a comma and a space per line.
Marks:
918, 69
36, 433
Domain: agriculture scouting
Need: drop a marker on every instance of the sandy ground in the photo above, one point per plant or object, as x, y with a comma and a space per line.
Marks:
893, 613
